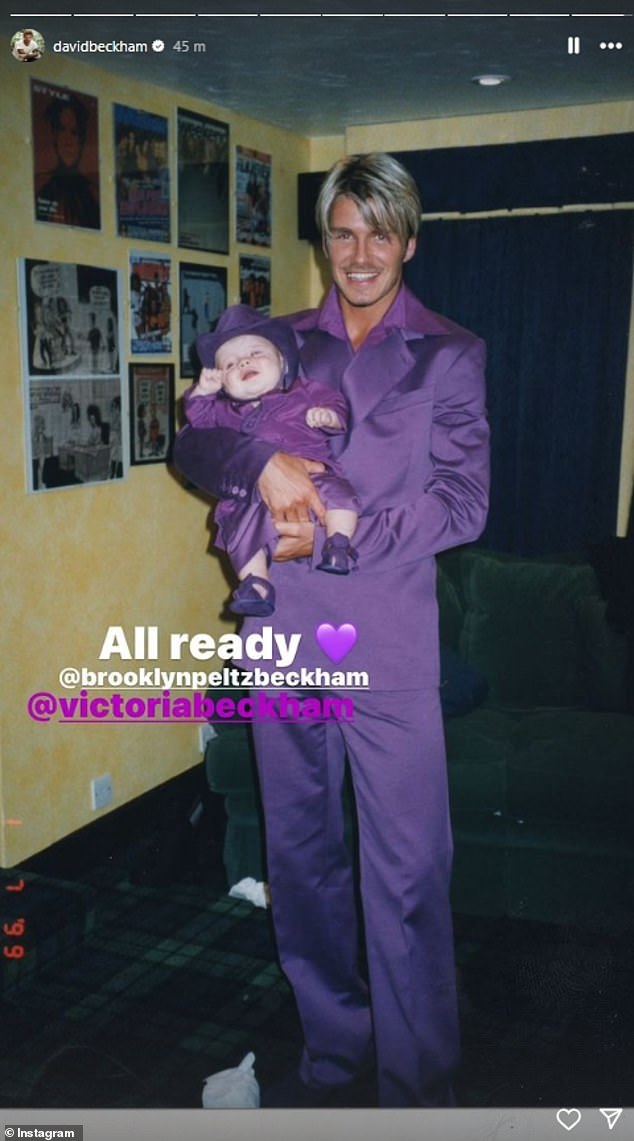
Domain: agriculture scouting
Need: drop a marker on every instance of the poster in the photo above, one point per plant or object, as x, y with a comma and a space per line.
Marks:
74, 404
253, 197
255, 282
150, 303
203, 297
203, 183
152, 412
142, 181
64, 127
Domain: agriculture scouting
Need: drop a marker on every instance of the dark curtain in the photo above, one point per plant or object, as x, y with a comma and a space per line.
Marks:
550, 294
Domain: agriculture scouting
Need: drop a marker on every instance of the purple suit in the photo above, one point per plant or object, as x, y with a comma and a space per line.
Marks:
417, 454
279, 418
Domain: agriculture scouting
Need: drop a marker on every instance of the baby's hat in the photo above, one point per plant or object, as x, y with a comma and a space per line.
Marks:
238, 320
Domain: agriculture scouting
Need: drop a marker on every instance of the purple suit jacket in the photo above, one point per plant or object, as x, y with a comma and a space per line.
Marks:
417, 454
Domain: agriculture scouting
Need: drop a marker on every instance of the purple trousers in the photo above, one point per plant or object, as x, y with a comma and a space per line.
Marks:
407, 1014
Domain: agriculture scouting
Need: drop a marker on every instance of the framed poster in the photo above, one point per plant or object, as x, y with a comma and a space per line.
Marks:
253, 197
64, 127
150, 303
203, 182
74, 402
142, 179
255, 283
203, 297
151, 395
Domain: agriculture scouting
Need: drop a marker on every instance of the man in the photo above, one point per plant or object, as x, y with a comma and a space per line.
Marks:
417, 453
25, 48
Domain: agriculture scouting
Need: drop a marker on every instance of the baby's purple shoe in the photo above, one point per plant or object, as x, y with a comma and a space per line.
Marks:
247, 600
336, 554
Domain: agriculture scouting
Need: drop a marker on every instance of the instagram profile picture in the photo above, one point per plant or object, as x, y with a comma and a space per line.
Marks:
27, 45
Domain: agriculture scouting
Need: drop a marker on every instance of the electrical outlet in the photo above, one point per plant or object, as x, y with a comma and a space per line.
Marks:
206, 733
101, 793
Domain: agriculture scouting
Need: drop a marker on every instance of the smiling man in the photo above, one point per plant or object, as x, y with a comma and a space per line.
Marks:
417, 453
366, 260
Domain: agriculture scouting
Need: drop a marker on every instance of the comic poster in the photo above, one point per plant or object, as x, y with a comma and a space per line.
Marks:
255, 283
74, 402
253, 197
203, 297
142, 178
203, 183
150, 303
151, 394
64, 127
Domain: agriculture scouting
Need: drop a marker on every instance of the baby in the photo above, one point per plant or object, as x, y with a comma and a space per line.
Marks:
249, 381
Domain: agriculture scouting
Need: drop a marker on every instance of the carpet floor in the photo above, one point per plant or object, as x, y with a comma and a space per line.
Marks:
130, 993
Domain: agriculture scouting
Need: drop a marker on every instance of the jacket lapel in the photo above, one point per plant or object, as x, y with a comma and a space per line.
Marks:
367, 376
373, 372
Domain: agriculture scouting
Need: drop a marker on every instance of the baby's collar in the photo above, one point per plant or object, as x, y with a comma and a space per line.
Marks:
282, 386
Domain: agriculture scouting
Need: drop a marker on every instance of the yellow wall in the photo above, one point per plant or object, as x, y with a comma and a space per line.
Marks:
134, 553
78, 560
507, 127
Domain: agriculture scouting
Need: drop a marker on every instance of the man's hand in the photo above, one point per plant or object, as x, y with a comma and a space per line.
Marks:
287, 490
296, 541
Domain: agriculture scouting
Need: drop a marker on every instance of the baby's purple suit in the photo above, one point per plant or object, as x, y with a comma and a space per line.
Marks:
277, 418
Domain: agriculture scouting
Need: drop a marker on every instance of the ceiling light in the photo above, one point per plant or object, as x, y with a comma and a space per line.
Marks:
491, 80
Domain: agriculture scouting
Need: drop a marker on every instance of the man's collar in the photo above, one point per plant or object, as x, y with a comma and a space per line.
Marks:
406, 313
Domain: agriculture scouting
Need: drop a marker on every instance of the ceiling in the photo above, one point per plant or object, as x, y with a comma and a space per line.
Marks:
318, 75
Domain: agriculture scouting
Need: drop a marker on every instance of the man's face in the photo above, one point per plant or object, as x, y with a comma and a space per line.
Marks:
250, 366
366, 264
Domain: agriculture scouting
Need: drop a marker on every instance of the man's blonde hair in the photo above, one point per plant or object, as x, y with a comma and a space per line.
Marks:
384, 192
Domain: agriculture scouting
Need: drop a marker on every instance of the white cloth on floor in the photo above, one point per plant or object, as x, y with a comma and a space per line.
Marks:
233, 1089
251, 890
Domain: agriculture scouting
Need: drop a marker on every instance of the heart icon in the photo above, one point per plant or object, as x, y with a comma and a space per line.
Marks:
336, 642
568, 1118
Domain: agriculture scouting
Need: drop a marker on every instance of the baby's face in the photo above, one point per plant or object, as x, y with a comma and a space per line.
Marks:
250, 366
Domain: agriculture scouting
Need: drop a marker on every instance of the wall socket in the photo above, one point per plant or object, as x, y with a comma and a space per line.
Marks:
101, 793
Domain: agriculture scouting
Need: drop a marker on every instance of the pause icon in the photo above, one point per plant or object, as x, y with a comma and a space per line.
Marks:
574, 45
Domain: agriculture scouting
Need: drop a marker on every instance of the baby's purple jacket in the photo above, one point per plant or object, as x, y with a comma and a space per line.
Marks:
278, 417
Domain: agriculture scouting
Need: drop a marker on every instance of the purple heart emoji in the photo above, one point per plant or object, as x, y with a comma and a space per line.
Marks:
336, 643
